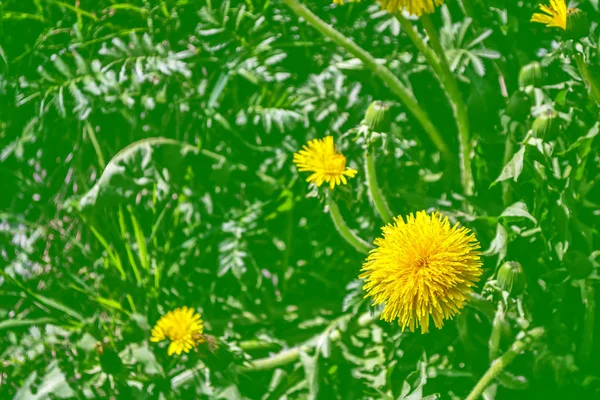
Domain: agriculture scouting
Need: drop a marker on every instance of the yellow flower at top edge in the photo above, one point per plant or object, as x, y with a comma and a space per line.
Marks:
182, 326
555, 14
326, 164
414, 7
422, 268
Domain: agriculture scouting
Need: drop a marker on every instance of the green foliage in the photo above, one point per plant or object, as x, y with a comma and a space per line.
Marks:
146, 164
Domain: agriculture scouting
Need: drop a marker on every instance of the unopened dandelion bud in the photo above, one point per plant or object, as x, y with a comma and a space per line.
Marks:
546, 125
378, 117
578, 264
578, 25
531, 74
511, 278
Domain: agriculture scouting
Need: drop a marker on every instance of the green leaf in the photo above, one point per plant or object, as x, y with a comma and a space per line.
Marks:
519, 209
513, 169
143, 164
311, 370
498, 245
19, 323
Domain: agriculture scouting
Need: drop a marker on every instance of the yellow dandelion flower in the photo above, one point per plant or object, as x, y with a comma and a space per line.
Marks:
182, 326
414, 7
420, 268
555, 14
325, 163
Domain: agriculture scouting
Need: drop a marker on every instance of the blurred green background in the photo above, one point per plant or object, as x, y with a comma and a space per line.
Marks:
146, 164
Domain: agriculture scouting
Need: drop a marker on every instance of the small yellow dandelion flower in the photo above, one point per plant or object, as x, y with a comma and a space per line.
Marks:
420, 268
414, 7
556, 14
326, 165
182, 326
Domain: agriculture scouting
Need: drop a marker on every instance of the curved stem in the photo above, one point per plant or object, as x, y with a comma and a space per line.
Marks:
458, 106
292, 355
352, 238
503, 361
418, 41
384, 73
374, 190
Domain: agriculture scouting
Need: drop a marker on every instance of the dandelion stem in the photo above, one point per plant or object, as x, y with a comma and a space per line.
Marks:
498, 365
496, 336
458, 105
418, 41
508, 153
352, 238
374, 190
380, 70
589, 301
292, 355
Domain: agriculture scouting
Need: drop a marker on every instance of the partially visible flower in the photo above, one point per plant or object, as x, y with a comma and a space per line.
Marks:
414, 7
420, 268
182, 326
555, 14
325, 163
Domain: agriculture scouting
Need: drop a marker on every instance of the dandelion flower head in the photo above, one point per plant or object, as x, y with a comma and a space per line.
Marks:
414, 7
326, 164
182, 326
422, 267
555, 14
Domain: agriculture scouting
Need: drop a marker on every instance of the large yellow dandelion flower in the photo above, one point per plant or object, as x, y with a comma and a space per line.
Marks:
556, 14
325, 163
422, 267
182, 326
414, 7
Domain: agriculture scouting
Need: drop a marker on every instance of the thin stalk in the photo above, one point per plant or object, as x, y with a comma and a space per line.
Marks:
496, 336
292, 355
589, 301
458, 106
352, 238
508, 154
383, 72
504, 360
418, 41
374, 190
92, 135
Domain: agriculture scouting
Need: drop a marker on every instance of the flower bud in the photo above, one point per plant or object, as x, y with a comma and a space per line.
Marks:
378, 117
511, 278
519, 106
531, 74
578, 25
578, 264
546, 125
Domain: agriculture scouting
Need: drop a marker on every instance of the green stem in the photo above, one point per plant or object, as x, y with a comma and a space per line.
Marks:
590, 78
589, 301
418, 41
496, 336
508, 154
374, 190
503, 361
92, 135
256, 345
458, 106
352, 238
384, 73
292, 355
